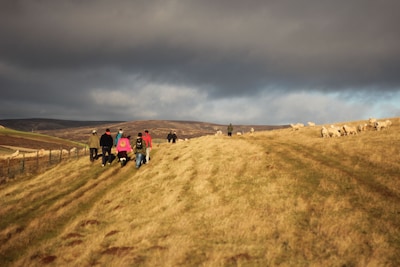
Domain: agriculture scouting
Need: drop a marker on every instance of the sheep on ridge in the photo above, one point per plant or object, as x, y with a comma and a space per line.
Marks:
362, 127
324, 132
334, 131
371, 121
379, 125
348, 130
296, 126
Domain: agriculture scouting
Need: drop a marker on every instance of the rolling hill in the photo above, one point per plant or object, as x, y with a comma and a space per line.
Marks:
80, 130
280, 197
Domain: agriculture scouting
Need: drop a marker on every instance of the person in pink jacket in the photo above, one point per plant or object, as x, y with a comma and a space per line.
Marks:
123, 147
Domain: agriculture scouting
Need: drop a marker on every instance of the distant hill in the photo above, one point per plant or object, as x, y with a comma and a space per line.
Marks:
38, 124
80, 130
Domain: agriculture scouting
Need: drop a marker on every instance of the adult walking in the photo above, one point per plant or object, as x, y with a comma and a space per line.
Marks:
118, 136
174, 137
230, 129
140, 150
169, 137
106, 143
149, 144
94, 145
123, 147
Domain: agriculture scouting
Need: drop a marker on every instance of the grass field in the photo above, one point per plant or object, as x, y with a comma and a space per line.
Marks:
12, 140
281, 197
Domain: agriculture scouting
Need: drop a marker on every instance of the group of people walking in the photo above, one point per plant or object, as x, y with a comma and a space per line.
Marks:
141, 147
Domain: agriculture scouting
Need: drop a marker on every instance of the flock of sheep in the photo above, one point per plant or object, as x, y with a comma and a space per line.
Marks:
337, 131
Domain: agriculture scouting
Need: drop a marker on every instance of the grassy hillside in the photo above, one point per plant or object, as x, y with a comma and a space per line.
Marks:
80, 130
159, 129
11, 140
279, 197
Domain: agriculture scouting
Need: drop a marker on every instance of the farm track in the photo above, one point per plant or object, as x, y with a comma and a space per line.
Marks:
81, 189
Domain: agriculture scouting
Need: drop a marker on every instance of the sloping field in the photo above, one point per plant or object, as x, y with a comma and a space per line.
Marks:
281, 197
11, 140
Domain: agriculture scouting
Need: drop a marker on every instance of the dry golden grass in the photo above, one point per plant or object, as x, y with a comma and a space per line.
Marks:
279, 197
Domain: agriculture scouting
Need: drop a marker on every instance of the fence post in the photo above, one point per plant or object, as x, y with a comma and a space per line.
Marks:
23, 163
49, 157
8, 167
37, 160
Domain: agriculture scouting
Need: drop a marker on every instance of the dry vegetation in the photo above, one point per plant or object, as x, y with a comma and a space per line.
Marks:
278, 197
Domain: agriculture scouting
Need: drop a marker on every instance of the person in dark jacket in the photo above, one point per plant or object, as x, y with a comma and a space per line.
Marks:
169, 137
106, 143
94, 144
230, 129
174, 137
140, 150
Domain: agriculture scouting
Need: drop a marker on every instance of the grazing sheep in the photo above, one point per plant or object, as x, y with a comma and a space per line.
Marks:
296, 126
311, 124
379, 125
334, 131
252, 130
348, 130
219, 132
371, 121
362, 127
238, 133
324, 132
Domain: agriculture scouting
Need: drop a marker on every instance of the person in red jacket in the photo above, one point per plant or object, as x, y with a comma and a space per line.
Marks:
149, 144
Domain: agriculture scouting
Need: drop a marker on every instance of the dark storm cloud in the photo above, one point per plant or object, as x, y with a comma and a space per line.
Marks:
60, 51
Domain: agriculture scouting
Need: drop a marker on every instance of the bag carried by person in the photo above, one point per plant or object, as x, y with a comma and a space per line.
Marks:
139, 143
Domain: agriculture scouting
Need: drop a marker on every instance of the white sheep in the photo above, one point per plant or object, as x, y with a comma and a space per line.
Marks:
362, 127
348, 130
296, 126
371, 121
379, 125
334, 131
311, 124
324, 132
219, 132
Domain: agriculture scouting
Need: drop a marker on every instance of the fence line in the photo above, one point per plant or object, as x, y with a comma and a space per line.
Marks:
36, 162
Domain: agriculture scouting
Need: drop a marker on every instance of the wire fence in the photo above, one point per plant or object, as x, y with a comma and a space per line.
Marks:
36, 162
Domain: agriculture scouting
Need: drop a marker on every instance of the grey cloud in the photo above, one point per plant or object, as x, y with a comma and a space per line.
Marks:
61, 50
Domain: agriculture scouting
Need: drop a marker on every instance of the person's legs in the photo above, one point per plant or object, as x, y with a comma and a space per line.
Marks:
139, 158
91, 156
103, 155
109, 155
122, 157
147, 155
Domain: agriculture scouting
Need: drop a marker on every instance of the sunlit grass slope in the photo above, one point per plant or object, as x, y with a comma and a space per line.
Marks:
280, 197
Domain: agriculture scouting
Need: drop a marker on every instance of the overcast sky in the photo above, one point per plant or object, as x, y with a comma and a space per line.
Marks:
239, 61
